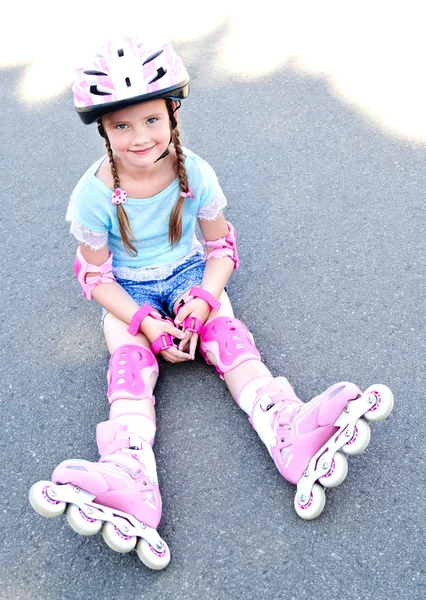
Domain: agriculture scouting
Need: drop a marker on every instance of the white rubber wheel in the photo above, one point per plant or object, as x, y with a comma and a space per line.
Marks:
43, 502
360, 439
116, 540
314, 507
337, 472
80, 522
382, 409
150, 557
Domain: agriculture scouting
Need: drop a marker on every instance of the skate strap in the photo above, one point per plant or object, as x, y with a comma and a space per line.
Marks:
117, 445
273, 394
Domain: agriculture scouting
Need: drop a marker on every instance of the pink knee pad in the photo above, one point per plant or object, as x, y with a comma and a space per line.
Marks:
230, 342
130, 373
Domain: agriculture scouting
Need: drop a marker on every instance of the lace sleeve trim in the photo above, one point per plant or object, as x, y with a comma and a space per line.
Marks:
213, 209
95, 240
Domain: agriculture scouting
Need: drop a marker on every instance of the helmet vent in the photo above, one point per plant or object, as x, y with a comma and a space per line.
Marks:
152, 57
94, 72
160, 73
120, 52
128, 82
96, 92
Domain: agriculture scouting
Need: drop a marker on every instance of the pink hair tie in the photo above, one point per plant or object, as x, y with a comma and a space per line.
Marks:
119, 196
187, 194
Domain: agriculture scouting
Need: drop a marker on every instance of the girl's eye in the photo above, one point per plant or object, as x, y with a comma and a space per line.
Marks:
152, 120
121, 126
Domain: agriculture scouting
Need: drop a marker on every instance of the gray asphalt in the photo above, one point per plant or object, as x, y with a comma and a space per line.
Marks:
330, 217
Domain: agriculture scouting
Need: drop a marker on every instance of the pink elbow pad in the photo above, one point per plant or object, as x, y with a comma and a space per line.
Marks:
103, 273
226, 246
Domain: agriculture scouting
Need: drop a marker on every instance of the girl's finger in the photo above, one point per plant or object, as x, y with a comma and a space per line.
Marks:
193, 345
184, 343
174, 331
177, 354
181, 318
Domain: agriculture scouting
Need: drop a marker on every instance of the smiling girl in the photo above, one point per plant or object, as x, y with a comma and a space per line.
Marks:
162, 290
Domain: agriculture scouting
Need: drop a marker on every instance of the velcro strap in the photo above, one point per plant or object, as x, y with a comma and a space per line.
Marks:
118, 445
196, 292
138, 317
102, 278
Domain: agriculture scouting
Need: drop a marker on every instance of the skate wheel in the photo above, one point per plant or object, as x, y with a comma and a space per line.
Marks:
384, 403
314, 507
360, 439
150, 557
82, 523
336, 473
116, 540
42, 500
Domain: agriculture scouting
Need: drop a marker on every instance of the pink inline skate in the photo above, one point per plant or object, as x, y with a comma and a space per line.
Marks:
309, 442
118, 495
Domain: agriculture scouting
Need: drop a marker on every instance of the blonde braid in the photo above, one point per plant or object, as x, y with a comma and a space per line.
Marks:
175, 223
123, 220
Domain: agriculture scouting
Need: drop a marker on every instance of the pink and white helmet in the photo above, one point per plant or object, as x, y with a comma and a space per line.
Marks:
127, 71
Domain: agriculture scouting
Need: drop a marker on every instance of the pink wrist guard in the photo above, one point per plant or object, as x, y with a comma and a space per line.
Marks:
82, 267
197, 292
164, 340
193, 325
138, 317
226, 246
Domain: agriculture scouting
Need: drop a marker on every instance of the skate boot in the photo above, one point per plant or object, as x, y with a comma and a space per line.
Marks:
308, 442
118, 495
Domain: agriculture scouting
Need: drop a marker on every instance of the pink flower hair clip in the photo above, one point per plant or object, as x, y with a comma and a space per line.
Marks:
188, 194
119, 196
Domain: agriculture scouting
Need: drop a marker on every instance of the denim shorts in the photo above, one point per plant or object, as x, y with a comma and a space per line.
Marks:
162, 294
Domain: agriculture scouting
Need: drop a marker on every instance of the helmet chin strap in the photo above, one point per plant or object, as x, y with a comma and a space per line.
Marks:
165, 153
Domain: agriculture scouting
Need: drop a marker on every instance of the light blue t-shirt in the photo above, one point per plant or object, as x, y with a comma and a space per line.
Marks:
92, 208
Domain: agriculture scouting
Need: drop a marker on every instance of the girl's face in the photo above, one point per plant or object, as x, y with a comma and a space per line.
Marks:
139, 134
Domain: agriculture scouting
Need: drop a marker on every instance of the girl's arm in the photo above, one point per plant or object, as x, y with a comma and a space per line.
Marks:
110, 296
117, 301
216, 275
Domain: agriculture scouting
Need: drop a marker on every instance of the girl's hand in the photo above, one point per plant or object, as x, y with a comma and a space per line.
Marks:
153, 328
195, 308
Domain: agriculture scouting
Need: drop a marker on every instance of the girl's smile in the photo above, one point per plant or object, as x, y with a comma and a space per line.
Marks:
139, 131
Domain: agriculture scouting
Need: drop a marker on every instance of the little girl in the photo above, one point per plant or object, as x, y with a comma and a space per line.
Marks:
134, 213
